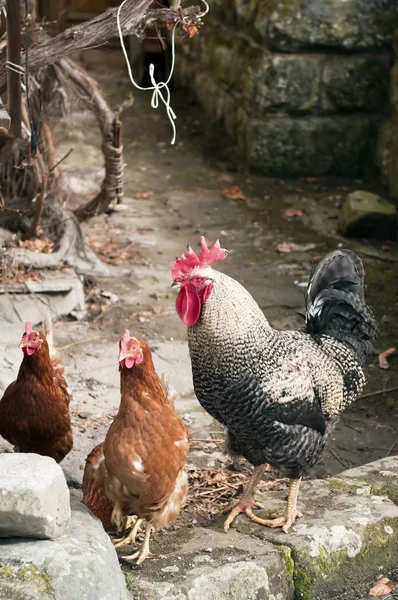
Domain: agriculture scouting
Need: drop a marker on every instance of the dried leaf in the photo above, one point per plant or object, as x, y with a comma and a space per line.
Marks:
267, 197
382, 587
143, 195
311, 179
294, 212
234, 193
383, 363
43, 244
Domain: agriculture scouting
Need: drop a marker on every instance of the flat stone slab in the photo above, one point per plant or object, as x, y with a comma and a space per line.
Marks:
349, 534
80, 565
205, 564
34, 497
58, 293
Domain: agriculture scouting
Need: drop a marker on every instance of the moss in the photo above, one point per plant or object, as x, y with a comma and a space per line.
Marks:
41, 581
303, 584
385, 490
289, 563
47, 581
131, 581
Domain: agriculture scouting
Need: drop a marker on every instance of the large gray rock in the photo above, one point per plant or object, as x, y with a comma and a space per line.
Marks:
81, 565
204, 564
368, 215
34, 497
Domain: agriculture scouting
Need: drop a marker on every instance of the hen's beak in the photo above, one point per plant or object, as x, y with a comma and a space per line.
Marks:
23, 345
176, 284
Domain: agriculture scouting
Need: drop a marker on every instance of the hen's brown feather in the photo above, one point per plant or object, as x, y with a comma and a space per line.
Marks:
94, 496
34, 413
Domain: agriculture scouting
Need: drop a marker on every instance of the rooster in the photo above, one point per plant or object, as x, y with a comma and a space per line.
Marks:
34, 410
145, 448
279, 393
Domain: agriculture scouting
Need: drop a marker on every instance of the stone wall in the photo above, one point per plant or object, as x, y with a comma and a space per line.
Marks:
387, 156
299, 85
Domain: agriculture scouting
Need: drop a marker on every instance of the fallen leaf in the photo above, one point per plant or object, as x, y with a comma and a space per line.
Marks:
234, 193
383, 363
284, 247
267, 197
311, 179
294, 212
382, 587
143, 195
386, 248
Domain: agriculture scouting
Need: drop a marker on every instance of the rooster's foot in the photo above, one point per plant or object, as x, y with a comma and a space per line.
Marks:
285, 521
244, 505
129, 539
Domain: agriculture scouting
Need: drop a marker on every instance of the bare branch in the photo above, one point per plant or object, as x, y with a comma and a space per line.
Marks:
134, 18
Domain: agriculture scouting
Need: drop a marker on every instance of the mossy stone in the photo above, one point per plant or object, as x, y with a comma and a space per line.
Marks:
368, 215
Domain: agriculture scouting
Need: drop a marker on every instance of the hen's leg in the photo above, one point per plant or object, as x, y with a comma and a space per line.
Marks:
143, 552
246, 501
289, 516
117, 515
130, 537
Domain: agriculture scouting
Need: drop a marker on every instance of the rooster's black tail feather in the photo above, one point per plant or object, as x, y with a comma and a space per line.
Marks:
336, 305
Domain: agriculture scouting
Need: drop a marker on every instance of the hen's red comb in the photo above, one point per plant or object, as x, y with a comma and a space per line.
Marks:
28, 328
184, 264
124, 341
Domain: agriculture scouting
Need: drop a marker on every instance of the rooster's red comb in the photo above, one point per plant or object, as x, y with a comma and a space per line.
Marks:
184, 263
124, 341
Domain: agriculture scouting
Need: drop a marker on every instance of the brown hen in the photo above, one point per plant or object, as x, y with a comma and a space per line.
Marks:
34, 410
145, 448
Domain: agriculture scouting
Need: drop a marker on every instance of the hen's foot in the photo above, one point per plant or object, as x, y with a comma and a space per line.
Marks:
244, 505
143, 552
129, 539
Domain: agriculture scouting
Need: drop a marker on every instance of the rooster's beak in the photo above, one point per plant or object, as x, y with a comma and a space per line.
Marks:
176, 284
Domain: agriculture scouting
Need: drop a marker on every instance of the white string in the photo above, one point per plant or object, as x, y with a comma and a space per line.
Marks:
13, 67
156, 87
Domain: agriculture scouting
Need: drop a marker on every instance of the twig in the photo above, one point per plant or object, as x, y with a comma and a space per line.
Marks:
351, 426
378, 392
339, 459
61, 160
216, 441
89, 339
392, 447
32, 232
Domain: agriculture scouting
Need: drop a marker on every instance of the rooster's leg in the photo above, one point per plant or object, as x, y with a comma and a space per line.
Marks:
289, 516
246, 501
143, 552
129, 539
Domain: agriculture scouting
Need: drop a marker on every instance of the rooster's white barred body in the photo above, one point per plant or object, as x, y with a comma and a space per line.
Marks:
278, 392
